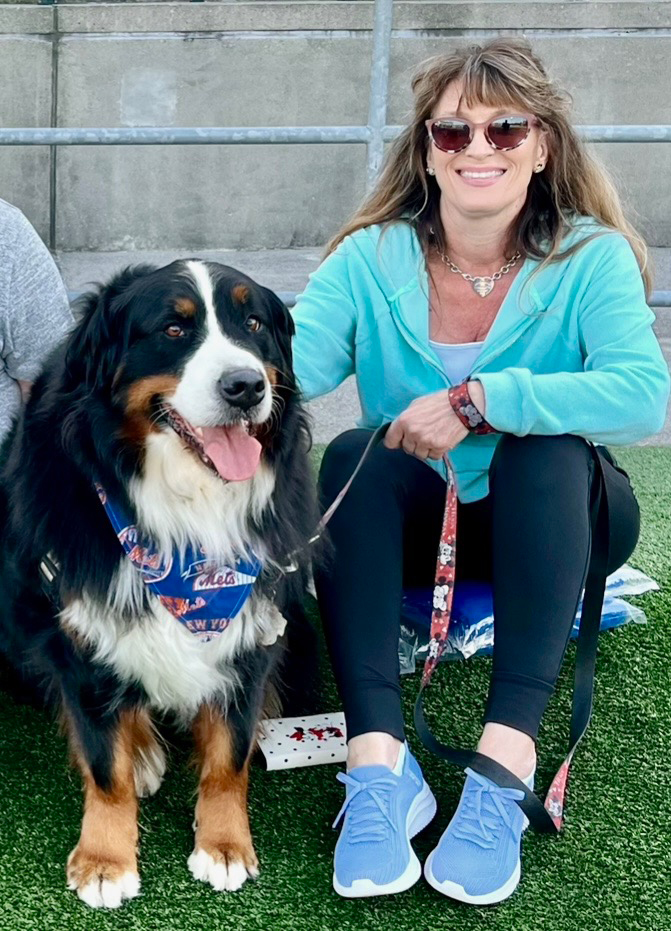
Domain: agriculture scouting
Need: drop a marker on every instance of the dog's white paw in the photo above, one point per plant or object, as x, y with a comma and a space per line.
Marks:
226, 874
108, 893
149, 769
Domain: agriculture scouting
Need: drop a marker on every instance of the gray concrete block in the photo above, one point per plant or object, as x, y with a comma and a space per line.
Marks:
213, 81
641, 173
613, 79
279, 269
25, 68
26, 20
358, 15
24, 182
215, 17
199, 197
528, 15
25, 79
661, 267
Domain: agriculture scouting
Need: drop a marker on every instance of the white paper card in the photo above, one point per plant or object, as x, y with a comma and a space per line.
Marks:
290, 742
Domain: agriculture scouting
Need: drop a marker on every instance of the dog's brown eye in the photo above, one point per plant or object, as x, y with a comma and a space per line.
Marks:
174, 331
253, 324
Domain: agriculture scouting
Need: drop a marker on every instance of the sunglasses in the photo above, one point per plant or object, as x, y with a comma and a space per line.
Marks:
452, 134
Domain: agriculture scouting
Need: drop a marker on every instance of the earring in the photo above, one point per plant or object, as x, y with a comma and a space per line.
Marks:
539, 167
430, 171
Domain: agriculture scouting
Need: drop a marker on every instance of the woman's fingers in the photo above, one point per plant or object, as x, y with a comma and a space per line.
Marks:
394, 436
422, 451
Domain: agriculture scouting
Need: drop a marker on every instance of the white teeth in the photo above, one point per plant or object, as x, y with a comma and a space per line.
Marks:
198, 431
482, 174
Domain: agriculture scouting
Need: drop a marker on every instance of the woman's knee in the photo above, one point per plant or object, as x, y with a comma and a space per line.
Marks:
539, 461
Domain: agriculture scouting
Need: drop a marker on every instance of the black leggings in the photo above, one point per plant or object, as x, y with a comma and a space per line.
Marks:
530, 537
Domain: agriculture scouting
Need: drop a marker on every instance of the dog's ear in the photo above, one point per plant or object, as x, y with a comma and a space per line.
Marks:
100, 339
283, 324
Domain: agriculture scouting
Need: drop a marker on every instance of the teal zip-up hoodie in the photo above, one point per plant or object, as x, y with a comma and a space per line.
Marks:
572, 349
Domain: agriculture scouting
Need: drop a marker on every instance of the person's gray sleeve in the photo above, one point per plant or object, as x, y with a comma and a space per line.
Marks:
37, 313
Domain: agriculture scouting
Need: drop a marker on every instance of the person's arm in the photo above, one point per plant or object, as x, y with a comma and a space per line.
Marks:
37, 312
325, 319
621, 395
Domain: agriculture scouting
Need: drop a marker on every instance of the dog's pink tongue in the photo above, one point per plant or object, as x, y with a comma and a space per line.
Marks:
233, 451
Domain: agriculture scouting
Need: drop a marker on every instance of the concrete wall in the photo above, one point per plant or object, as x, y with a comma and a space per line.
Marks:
281, 63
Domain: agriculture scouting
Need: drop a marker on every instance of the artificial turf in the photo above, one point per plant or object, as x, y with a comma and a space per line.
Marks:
610, 869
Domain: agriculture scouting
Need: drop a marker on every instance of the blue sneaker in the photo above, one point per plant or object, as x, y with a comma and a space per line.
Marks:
477, 859
382, 812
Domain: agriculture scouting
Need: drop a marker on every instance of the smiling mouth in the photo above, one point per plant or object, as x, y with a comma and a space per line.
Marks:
231, 451
485, 175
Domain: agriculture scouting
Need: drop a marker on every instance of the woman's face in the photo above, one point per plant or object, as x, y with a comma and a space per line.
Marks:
481, 180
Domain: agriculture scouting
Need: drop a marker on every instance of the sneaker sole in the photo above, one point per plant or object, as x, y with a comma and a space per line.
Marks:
420, 814
455, 891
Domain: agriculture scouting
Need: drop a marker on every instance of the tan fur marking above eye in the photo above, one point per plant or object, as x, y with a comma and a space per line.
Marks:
107, 847
240, 293
221, 812
185, 306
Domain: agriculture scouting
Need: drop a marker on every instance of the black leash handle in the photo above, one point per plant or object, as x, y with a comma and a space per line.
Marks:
542, 819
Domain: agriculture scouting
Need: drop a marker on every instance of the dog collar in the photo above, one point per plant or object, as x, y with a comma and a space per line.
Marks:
202, 595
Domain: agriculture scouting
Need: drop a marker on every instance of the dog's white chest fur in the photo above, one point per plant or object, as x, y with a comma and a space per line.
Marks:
176, 669
180, 504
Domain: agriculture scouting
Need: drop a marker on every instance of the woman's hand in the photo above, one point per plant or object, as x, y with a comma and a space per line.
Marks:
429, 428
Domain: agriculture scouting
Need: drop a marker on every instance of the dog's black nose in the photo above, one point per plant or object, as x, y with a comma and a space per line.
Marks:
243, 388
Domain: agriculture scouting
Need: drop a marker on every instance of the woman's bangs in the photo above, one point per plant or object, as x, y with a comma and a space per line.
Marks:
485, 86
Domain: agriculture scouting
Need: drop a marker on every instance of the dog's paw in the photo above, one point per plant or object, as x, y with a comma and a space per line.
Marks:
148, 770
223, 868
99, 883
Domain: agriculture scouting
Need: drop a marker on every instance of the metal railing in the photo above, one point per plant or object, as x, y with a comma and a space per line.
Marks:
373, 135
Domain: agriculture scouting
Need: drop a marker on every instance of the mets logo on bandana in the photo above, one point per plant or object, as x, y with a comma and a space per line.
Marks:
152, 566
209, 577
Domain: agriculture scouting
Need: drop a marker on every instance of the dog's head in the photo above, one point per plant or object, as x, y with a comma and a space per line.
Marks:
197, 348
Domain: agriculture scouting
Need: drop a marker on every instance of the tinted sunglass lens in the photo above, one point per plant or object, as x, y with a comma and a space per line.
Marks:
450, 135
508, 131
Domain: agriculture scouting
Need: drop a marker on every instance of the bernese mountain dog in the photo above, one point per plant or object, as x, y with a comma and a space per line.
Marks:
156, 503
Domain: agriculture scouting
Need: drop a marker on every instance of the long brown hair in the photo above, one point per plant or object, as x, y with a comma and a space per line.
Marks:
502, 72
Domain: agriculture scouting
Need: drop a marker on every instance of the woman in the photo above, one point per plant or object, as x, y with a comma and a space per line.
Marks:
34, 309
492, 255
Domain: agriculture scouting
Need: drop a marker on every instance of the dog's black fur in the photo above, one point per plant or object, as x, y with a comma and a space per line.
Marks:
76, 430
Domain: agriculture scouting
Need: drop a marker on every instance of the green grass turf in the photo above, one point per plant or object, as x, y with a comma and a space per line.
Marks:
610, 869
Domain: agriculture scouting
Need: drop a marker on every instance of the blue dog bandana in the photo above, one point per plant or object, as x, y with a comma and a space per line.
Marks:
202, 595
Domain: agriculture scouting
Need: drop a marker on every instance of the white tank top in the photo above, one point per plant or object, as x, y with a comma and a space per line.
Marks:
458, 359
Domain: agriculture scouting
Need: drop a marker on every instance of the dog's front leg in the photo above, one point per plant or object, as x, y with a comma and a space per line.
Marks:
103, 866
223, 853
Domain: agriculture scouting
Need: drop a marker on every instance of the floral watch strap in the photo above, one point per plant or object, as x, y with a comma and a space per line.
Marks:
463, 406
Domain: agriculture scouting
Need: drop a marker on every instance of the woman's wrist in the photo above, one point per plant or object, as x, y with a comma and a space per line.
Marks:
477, 392
468, 403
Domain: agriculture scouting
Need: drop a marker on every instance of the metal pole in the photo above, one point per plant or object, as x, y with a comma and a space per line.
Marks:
379, 86
259, 135
170, 135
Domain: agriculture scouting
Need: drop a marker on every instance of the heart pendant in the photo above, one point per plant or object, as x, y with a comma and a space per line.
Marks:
483, 286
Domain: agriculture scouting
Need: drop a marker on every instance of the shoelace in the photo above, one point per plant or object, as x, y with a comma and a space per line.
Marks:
370, 815
484, 810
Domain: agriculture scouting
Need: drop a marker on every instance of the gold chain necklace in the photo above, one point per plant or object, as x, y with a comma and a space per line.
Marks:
482, 284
